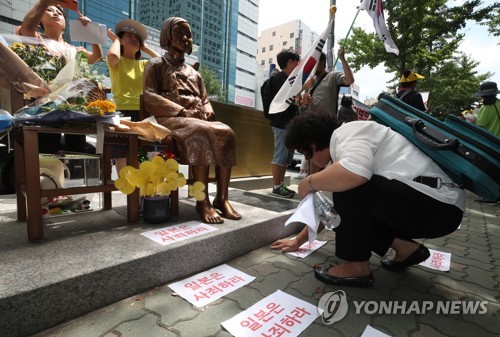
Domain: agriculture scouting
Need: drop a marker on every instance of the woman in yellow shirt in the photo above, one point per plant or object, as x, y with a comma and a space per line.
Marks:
126, 70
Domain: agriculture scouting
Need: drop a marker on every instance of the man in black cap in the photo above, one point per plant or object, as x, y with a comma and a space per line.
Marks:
488, 116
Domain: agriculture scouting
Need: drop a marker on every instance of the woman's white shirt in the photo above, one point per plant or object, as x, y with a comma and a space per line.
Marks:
367, 148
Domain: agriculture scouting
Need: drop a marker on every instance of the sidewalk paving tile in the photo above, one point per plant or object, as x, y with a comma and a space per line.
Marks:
474, 276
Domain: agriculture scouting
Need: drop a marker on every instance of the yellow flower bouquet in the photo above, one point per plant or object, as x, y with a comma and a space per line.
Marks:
44, 64
156, 178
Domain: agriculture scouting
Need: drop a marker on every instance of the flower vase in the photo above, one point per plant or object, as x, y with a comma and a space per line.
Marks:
156, 210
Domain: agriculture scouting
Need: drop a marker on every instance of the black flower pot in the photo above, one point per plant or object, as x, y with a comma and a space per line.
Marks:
156, 210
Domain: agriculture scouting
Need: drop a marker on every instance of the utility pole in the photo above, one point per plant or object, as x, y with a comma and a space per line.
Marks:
331, 42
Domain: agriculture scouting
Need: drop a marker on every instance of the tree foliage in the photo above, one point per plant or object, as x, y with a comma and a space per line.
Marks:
452, 85
212, 83
493, 22
428, 34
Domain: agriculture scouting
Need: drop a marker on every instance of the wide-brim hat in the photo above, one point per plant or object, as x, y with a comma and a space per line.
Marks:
487, 89
129, 25
410, 76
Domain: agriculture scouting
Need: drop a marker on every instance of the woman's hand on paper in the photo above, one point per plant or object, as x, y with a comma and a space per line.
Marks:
84, 20
286, 245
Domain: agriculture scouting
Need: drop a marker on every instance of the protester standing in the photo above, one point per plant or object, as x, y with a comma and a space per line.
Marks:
346, 113
407, 90
282, 157
126, 71
488, 116
323, 89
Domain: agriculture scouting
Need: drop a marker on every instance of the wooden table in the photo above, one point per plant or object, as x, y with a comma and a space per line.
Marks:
27, 174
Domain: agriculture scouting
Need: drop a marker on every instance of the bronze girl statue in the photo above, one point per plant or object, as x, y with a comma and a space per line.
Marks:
175, 94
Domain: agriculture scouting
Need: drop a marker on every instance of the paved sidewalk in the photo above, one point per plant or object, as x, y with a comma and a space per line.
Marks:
474, 276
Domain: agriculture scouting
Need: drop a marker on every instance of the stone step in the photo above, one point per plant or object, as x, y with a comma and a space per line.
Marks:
256, 183
91, 260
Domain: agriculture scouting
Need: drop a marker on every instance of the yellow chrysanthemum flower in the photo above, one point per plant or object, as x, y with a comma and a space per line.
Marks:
147, 168
159, 161
136, 178
172, 184
162, 172
181, 180
150, 190
172, 164
124, 186
102, 106
156, 179
197, 191
124, 171
163, 189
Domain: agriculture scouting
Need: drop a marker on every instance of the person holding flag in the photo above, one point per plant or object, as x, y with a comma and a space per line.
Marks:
323, 90
282, 157
306, 69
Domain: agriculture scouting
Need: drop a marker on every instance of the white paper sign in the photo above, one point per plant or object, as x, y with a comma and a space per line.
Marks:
93, 32
307, 248
305, 214
172, 234
438, 260
371, 332
279, 314
211, 285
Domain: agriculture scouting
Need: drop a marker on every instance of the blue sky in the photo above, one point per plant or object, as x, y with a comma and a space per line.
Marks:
477, 43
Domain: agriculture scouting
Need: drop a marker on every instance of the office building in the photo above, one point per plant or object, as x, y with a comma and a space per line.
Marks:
12, 14
226, 33
294, 35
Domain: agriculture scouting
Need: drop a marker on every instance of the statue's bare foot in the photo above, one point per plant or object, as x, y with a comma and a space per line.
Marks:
207, 213
227, 210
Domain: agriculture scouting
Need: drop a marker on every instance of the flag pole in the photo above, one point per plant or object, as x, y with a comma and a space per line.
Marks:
347, 35
331, 36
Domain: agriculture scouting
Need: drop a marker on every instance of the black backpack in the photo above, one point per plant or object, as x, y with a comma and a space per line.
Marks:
266, 92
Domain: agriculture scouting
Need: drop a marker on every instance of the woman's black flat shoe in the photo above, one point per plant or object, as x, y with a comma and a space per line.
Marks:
360, 282
418, 256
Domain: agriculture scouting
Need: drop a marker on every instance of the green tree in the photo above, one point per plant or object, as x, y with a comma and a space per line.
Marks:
428, 34
212, 84
452, 85
494, 22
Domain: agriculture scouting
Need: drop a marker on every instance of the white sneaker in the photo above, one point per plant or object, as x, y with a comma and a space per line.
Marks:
302, 175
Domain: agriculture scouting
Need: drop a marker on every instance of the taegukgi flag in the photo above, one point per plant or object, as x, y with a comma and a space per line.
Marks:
375, 9
305, 69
